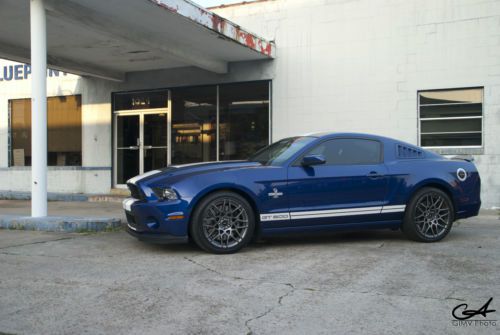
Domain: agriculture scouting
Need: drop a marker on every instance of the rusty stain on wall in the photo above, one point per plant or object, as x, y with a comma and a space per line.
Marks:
218, 24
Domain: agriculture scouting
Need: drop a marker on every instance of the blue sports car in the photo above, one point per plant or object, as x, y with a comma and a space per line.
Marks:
302, 184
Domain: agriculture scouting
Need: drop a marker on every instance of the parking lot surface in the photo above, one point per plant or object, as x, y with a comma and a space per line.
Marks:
374, 282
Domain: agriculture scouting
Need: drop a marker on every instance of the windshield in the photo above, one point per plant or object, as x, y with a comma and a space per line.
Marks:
281, 151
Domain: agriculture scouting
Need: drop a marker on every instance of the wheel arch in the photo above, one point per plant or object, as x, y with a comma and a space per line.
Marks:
435, 183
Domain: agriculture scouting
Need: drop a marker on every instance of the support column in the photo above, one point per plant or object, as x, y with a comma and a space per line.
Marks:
38, 109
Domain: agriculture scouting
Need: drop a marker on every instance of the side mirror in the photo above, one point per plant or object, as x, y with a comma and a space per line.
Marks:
310, 160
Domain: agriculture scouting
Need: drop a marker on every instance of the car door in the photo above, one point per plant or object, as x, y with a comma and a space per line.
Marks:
350, 187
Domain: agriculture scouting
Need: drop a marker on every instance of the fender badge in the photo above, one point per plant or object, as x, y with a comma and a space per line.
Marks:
275, 194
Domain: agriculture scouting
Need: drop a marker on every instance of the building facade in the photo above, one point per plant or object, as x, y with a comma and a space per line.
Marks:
426, 72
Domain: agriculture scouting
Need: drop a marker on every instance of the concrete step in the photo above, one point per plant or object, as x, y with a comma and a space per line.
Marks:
106, 198
60, 223
120, 192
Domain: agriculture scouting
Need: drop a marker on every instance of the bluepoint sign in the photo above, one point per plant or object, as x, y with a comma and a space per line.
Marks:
22, 72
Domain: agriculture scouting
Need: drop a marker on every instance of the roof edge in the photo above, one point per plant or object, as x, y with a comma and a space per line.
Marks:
214, 22
241, 3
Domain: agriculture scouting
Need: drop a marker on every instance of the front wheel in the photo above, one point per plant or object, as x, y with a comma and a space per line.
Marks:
222, 223
429, 215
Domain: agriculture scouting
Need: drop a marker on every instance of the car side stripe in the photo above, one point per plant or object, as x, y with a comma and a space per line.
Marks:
327, 215
332, 213
342, 210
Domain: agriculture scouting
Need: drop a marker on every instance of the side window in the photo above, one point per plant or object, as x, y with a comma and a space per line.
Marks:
347, 151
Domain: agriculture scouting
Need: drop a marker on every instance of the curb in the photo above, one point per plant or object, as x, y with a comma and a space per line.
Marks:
59, 223
14, 195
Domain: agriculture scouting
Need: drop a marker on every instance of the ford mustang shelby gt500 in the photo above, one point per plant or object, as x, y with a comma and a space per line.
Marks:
305, 183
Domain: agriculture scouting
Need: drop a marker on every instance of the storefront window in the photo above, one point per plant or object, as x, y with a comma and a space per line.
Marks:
194, 123
64, 131
244, 119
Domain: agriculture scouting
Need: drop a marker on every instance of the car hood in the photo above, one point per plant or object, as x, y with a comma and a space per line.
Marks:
190, 169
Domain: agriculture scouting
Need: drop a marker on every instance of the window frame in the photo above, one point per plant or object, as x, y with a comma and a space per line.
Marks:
454, 147
297, 161
10, 140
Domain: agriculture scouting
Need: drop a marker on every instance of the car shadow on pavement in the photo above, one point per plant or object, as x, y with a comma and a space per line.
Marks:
368, 237
358, 237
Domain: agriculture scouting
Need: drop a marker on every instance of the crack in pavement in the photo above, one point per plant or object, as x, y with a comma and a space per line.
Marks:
270, 309
309, 289
258, 281
293, 288
208, 268
38, 242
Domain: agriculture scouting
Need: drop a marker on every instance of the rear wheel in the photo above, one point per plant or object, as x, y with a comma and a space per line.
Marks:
429, 215
223, 223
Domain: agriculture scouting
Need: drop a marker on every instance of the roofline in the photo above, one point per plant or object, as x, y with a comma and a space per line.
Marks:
214, 22
242, 3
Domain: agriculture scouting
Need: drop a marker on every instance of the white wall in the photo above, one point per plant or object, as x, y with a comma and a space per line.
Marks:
95, 174
357, 65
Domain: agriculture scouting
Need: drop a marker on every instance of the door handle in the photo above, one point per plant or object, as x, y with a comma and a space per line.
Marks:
133, 147
374, 175
148, 147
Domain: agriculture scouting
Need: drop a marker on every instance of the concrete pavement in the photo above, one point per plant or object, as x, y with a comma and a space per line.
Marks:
66, 208
358, 283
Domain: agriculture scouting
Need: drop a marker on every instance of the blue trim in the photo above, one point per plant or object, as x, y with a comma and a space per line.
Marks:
59, 168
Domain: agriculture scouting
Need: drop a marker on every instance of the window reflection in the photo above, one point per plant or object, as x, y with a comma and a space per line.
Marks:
64, 131
194, 124
451, 118
244, 119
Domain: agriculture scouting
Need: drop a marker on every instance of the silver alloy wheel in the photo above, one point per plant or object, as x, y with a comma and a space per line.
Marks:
432, 215
225, 222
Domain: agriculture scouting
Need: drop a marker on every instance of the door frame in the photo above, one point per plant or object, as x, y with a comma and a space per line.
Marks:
140, 113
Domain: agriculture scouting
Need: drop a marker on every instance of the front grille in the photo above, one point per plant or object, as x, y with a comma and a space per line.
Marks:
135, 192
130, 218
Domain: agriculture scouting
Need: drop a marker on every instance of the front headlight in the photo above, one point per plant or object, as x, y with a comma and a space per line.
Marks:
165, 193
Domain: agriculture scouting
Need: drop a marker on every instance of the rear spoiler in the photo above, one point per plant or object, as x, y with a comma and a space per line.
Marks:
461, 158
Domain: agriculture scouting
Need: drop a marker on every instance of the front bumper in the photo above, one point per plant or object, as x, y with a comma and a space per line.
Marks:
161, 221
157, 238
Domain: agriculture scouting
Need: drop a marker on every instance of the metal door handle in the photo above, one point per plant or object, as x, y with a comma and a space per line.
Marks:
133, 147
374, 174
148, 147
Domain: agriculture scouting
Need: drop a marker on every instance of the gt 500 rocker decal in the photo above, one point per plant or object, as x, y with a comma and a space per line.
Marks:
332, 213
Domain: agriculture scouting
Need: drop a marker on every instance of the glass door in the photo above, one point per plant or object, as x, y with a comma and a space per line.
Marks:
155, 141
128, 142
142, 143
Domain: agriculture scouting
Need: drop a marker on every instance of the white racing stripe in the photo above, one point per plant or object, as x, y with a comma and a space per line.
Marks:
127, 204
142, 176
393, 209
332, 213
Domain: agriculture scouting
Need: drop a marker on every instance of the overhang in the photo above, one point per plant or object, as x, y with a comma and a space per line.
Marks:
107, 39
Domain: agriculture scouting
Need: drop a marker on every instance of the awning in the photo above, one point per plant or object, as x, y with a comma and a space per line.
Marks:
107, 39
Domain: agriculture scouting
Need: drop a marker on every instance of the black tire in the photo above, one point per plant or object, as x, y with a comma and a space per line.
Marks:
222, 223
429, 215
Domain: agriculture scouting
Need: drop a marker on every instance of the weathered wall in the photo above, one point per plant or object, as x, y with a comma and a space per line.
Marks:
95, 174
356, 65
